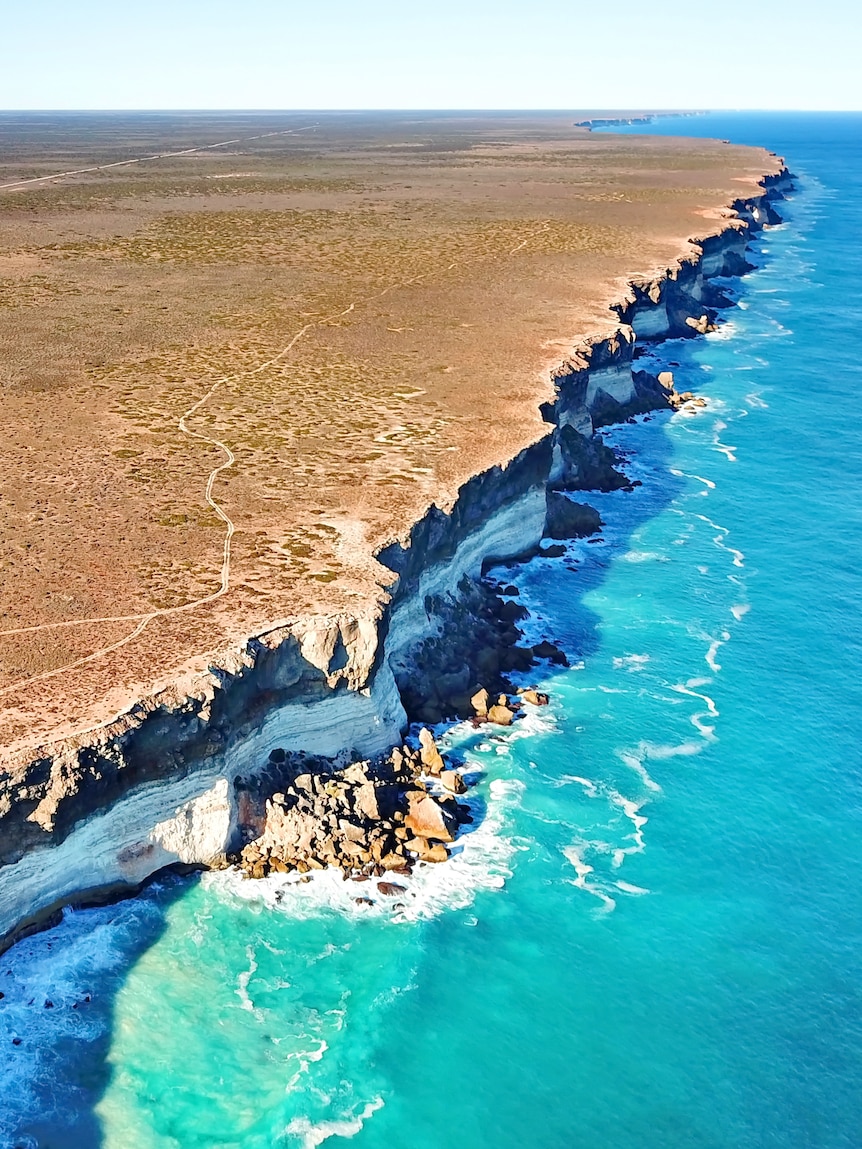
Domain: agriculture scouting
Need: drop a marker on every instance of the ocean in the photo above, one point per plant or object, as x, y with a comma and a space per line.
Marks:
652, 936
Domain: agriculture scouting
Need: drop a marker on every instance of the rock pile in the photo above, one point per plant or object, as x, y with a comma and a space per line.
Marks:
701, 324
367, 819
665, 387
503, 711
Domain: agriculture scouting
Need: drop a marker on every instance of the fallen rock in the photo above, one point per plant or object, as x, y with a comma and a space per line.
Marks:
452, 781
426, 818
534, 697
545, 649
365, 801
430, 755
390, 889
566, 519
356, 774
480, 701
702, 324
500, 715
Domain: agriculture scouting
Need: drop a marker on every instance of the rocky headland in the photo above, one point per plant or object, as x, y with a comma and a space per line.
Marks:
281, 756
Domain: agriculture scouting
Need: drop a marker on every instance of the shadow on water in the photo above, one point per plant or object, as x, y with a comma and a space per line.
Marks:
57, 1016
55, 1078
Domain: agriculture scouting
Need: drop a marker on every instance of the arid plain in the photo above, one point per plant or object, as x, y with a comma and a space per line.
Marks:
230, 375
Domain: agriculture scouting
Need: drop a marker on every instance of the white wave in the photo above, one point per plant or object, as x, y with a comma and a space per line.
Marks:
719, 541
740, 610
628, 888
706, 730
728, 330
631, 662
714, 647
574, 854
644, 557
632, 812
635, 762
685, 475
754, 400
724, 448
242, 981
681, 749
311, 1134
589, 786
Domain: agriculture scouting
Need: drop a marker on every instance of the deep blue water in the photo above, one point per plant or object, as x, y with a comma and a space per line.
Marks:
654, 937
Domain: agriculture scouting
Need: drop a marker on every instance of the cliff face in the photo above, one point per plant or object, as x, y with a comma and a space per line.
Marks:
157, 787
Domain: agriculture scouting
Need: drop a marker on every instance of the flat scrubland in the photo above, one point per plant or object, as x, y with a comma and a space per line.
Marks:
369, 304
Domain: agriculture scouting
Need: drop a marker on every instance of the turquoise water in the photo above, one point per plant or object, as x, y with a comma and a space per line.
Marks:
653, 936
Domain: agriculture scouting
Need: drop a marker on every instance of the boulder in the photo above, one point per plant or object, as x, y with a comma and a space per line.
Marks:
350, 831
516, 658
545, 649
534, 697
666, 381
436, 852
453, 782
513, 612
500, 715
356, 773
428, 851
566, 519
365, 802
355, 850
430, 755
701, 324
480, 701
426, 818
291, 830
390, 889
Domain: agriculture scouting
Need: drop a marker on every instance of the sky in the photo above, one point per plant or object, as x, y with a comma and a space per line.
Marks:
481, 54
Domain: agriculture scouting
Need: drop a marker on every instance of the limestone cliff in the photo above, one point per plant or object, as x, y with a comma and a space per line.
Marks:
156, 787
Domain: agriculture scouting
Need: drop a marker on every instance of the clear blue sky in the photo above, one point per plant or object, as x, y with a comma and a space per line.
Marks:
434, 54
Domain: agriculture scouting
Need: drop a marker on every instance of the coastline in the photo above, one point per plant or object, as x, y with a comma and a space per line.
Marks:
154, 788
